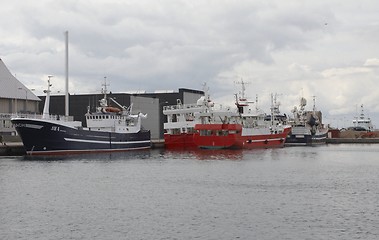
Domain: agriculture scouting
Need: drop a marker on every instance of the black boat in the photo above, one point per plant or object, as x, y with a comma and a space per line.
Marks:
108, 129
306, 127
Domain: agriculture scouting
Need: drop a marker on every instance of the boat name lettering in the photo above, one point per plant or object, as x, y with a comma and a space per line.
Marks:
55, 128
27, 125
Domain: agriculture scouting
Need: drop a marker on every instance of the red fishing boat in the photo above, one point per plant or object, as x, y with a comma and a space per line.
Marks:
243, 129
180, 124
219, 136
181, 120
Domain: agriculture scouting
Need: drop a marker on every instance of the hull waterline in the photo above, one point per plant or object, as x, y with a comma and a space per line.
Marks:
222, 139
179, 141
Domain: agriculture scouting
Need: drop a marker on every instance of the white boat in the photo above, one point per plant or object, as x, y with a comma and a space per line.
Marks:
181, 120
362, 123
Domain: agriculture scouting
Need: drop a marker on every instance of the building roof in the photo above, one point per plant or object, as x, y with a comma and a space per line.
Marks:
13, 88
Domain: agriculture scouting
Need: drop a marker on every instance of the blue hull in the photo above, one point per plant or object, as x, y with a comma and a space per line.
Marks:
50, 138
306, 140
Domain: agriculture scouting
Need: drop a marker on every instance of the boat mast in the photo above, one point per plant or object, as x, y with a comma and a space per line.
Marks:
46, 112
314, 104
104, 90
272, 109
66, 61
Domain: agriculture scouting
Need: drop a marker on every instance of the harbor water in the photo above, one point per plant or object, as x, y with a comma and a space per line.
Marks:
324, 192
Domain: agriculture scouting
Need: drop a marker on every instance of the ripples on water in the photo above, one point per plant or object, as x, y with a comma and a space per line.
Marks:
326, 192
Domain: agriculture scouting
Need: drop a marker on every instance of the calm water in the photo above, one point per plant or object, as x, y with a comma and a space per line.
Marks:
326, 192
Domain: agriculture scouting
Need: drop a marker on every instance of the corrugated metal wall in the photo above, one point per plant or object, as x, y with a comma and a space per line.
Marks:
149, 106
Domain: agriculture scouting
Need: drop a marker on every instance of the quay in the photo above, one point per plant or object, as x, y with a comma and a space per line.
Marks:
12, 149
352, 140
17, 148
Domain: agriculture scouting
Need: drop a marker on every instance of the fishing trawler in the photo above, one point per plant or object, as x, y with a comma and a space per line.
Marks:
180, 124
307, 128
241, 129
108, 129
182, 118
362, 123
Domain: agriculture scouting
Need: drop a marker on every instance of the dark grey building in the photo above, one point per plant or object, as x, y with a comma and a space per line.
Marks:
147, 103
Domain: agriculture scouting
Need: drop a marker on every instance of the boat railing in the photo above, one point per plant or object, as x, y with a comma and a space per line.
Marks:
180, 106
214, 107
39, 116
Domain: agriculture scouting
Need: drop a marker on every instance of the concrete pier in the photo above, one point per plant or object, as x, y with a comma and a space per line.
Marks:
12, 149
352, 140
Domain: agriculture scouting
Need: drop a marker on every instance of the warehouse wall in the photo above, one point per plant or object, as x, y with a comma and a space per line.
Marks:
149, 106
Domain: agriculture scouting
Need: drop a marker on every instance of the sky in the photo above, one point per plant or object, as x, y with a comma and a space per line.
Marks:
326, 49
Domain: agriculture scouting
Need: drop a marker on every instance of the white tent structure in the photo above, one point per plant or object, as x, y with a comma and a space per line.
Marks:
15, 96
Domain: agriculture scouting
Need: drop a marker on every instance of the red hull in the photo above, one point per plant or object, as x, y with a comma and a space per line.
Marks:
179, 141
223, 136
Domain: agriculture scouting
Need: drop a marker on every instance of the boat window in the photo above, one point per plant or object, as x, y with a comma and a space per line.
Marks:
219, 133
206, 132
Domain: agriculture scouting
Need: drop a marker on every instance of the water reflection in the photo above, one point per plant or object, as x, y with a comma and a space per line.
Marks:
203, 154
218, 154
137, 154
165, 154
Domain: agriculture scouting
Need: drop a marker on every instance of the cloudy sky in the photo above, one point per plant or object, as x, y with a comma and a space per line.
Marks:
325, 48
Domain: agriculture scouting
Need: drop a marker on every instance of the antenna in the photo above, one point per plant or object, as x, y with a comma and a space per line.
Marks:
243, 98
104, 90
256, 103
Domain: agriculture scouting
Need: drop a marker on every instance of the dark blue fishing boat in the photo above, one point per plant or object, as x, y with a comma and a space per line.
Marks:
108, 129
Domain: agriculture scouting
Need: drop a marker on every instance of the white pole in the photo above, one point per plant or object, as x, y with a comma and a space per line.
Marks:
46, 112
66, 97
